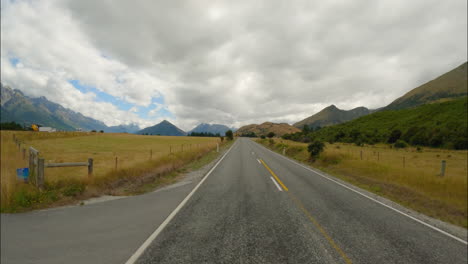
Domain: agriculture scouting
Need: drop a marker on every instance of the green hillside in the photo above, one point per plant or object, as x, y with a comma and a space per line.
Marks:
450, 85
436, 125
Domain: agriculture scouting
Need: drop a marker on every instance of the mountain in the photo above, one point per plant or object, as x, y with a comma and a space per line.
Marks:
130, 128
17, 107
441, 124
267, 127
211, 128
332, 115
165, 128
450, 85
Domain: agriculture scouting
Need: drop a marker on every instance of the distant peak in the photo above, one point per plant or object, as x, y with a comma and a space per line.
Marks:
332, 107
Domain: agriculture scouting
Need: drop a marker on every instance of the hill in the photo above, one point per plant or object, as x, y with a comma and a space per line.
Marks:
450, 85
265, 128
332, 115
17, 107
165, 128
442, 124
210, 128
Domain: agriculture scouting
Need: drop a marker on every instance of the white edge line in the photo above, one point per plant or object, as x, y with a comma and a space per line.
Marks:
277, 186
155, 234
372, 199
259, 161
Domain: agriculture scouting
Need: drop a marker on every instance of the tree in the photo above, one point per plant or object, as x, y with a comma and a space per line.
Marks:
271, 134
101, 131
315, 148
229, 135
263, 137
394, 136
305, 129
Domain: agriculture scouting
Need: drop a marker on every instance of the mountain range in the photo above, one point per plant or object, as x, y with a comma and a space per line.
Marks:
17, 107
448, 86
211, 128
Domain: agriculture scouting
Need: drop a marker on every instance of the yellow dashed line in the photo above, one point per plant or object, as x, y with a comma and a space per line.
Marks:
274, 175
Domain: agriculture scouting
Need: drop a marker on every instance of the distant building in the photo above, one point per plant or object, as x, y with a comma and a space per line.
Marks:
47, 129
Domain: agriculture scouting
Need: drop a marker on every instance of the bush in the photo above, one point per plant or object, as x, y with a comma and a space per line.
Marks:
222, 139
315, 148
229, 135
263, 137
400, 144
394, 136
271, 134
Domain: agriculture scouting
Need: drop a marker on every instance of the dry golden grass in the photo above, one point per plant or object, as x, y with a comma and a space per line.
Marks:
10, 160
136, 155
408, 176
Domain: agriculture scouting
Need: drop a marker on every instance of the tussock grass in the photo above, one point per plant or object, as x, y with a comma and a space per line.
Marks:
408, 176
140, 160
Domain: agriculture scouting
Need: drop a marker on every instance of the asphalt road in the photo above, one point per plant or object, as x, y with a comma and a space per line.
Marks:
254, 207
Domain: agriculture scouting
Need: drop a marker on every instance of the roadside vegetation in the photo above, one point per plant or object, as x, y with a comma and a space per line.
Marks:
124, 164
409, 176
437, 125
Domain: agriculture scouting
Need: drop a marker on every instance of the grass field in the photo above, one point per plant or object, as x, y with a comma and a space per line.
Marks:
407, 176
122, 162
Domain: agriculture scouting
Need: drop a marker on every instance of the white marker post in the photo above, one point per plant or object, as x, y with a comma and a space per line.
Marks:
217, 147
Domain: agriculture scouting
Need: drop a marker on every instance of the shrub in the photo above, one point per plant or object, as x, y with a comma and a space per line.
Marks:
394, 136
263, 137
315, 148
222, 139
229, 135
271, 134
400, 144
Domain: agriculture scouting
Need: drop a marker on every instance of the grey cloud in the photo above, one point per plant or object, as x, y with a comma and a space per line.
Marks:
237, 62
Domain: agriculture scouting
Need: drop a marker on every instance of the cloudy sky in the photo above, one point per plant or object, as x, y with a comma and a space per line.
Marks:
228, 62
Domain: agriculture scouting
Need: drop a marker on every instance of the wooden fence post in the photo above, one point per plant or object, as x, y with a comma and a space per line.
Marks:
24, 153
116, 161
443, 164
90, 167
40, 174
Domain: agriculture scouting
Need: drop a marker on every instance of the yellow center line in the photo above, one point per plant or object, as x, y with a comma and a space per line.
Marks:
320, 228
274, 175
310, 217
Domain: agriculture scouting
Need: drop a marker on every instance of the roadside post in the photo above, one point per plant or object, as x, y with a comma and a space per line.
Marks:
443, 164
217, 147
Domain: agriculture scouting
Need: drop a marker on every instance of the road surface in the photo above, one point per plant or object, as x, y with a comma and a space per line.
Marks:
254, 207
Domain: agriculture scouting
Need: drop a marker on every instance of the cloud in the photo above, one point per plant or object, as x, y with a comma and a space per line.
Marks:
230, 62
